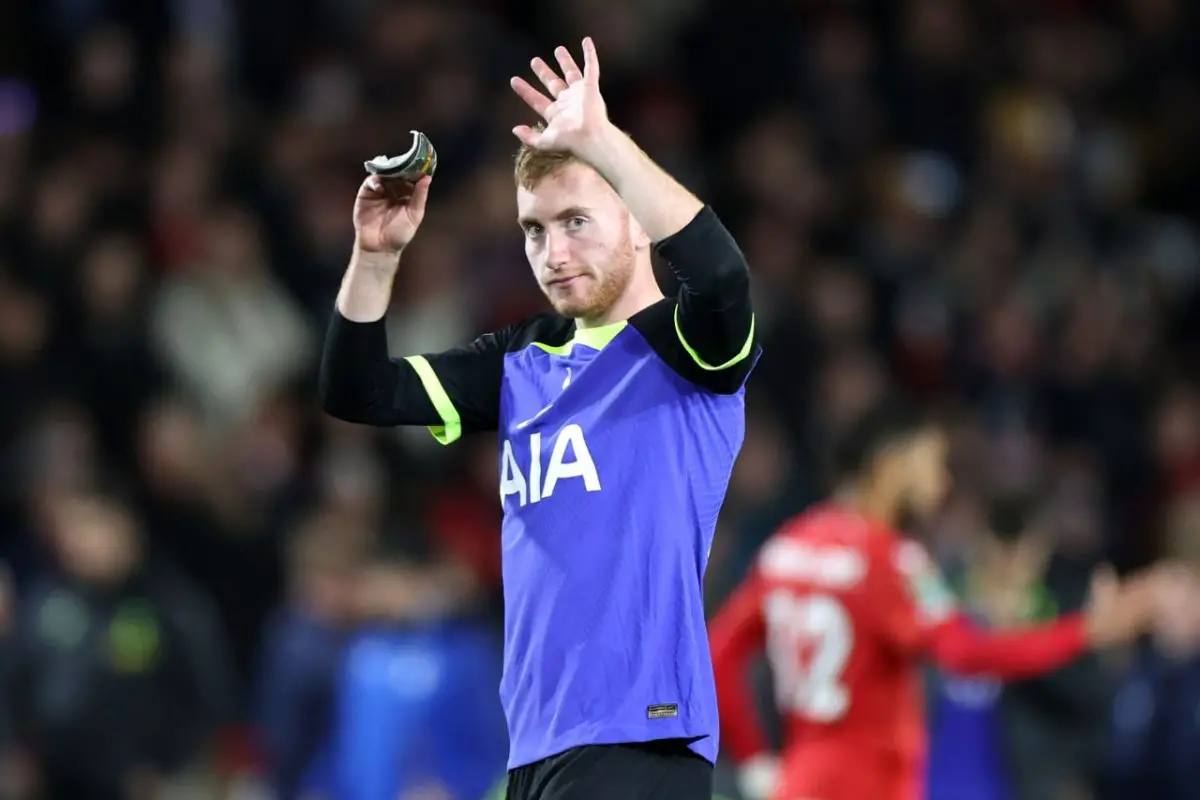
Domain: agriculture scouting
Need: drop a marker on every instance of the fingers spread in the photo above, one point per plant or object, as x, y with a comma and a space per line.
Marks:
570, 69
528, 136
532, 97
591, 62
549, 78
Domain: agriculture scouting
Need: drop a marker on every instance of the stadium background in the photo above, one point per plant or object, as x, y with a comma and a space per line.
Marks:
989, 205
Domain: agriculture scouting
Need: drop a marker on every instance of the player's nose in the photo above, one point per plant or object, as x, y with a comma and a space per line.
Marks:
558, 249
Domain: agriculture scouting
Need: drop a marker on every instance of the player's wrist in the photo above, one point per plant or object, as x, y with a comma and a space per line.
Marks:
378, 261
605, 150
366, 290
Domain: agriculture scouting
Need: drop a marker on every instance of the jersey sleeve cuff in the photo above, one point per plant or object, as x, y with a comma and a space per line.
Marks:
739, 357
450, 430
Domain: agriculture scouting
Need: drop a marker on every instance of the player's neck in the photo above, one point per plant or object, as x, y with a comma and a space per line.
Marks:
869, 501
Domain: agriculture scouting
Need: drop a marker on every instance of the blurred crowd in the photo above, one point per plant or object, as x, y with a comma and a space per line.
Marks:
987, 205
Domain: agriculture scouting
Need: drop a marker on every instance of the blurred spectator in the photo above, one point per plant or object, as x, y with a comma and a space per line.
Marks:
1156, 717
115, 371
302, 658
229, 334
989, 206
418, 706
119, 679
1037, 739
185, 499
28, 380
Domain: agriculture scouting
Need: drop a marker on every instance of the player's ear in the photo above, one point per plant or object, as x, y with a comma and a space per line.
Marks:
641, 240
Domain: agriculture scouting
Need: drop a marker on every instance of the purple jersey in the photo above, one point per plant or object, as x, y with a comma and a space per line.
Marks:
615, 455
616, 447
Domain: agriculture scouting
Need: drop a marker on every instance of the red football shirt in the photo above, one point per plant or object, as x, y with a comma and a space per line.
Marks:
846, 610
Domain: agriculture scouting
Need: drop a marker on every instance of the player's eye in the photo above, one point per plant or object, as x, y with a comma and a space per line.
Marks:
533, 230
575, 223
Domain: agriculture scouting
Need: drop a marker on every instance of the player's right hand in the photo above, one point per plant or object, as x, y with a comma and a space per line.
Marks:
573, 109
387, 213
1120, 611
1177, 627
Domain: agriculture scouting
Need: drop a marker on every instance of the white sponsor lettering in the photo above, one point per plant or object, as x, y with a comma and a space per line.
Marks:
569, 458
831, 566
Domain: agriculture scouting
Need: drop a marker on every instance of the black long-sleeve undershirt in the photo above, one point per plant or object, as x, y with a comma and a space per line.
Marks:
712, 314
359, 382
715, 313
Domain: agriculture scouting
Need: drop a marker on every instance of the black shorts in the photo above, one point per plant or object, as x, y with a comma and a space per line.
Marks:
660, 770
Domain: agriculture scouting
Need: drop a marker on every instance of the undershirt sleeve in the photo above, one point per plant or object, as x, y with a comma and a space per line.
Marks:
713, 317
706, 332
452, 392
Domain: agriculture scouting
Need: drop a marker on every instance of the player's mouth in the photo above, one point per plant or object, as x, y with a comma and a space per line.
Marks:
563, 281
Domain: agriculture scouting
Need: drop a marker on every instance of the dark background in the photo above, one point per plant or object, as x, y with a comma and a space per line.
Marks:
988, 205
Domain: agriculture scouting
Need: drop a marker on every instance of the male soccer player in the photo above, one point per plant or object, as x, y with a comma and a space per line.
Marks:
846, 608
620, 415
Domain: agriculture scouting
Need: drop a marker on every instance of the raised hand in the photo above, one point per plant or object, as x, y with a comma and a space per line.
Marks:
387, 213
1120, 611
572, 108
1177, 627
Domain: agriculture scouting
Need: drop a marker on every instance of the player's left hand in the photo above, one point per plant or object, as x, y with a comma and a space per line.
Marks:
572, 107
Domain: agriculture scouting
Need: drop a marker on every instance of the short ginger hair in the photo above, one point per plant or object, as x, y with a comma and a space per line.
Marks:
532, 166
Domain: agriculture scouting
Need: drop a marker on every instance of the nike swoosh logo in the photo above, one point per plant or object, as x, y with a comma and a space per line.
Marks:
548, 406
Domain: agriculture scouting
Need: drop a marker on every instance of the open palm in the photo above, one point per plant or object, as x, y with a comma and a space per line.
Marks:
572, 108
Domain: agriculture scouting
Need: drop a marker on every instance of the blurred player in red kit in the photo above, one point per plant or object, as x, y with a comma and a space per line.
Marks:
846, 609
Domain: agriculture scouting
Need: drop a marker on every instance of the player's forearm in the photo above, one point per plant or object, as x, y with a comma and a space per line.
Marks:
689, 235
961, 648
659, 203
366, 287
359, 382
